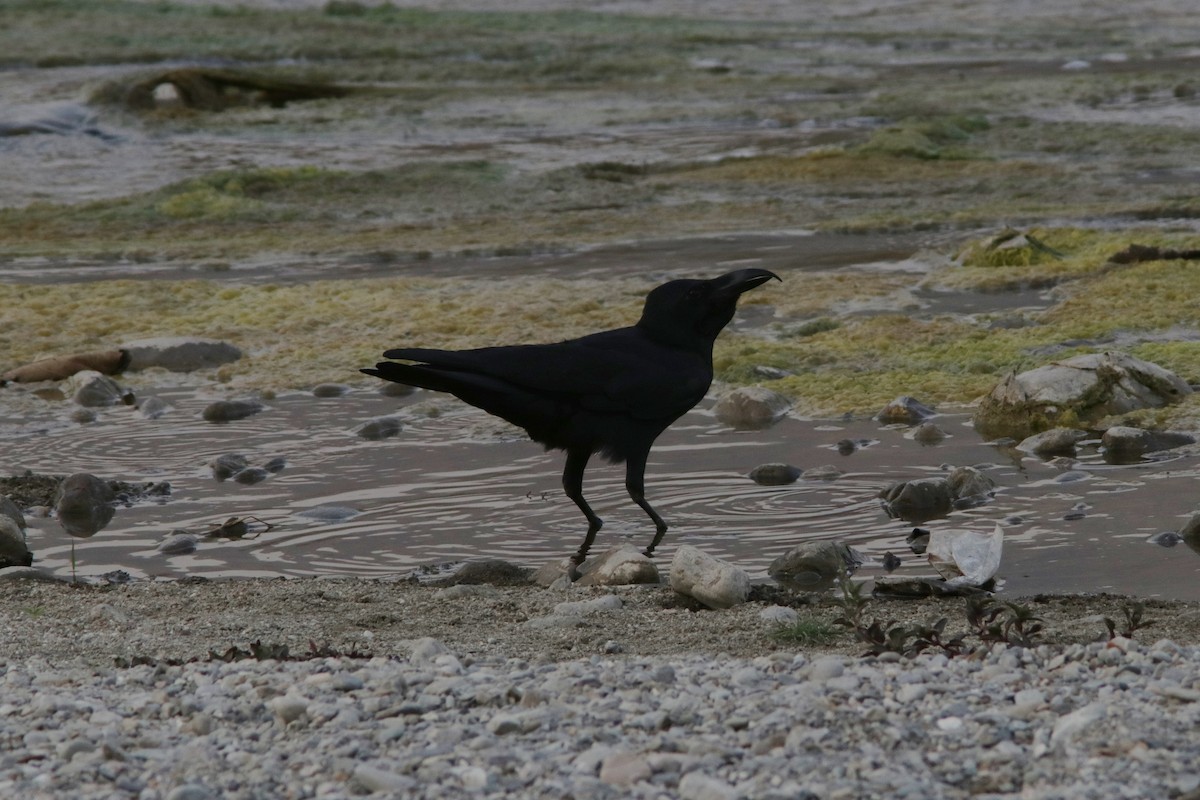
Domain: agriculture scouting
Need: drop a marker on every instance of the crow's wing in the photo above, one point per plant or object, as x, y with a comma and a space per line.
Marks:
618, 371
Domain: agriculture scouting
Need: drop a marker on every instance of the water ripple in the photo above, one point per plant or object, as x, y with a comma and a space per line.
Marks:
455, 484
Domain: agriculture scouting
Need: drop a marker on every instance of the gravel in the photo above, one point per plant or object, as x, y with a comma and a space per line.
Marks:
396, 689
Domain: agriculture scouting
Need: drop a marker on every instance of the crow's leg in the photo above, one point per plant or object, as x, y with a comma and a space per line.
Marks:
573, 485
635, 484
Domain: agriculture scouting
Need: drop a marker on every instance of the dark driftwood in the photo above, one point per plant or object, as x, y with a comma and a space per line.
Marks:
108, 362
1137, 253
214, 90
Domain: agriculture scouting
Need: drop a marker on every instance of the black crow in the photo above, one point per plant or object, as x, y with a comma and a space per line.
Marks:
611, 393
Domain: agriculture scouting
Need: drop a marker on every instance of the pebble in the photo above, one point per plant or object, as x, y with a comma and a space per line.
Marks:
1074, 722
231, 410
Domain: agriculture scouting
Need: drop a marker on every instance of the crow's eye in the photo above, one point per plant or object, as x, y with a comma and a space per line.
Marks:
695, 293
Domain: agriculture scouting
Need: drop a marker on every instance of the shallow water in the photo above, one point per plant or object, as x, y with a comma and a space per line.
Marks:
459, 486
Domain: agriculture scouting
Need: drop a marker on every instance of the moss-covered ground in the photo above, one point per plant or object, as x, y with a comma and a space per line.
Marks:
527, 132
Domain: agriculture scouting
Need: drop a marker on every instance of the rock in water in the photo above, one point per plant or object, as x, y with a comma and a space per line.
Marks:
1054, 442
153, 408
179, 543
715, 583
927, 434
93, 390
918, 500
905, 410
814, 566
751, 408
84, 504
227, 465
1076, 391
1123, 445
775, 474
379, 428
231, 410
330, 390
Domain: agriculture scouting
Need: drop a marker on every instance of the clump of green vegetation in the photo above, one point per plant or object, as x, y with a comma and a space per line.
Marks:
1134, 613
1007, 623
925, 138
806, 633
989, 622
813, 327
1009, 248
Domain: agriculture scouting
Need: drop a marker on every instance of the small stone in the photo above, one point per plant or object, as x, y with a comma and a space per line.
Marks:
775, 474
227, 465
825, 668
153, 408
252, 475
231, 410
178, 544
426, 649
90, 389
190, 791
624, 769
330, 390
1071, 725
779, 615
698, 786
275, 465
927, 434
393, 389
905, 410
505, 724
374, 779
374, 430
289, 708
1054, 442
751, 408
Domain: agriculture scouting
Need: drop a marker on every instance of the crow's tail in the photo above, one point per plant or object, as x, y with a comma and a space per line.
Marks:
415, 375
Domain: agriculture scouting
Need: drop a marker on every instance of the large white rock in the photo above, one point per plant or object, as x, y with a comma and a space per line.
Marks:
1082, 389
715, 583
620, 566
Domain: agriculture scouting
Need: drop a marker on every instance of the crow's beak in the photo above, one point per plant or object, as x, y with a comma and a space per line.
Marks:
743, 280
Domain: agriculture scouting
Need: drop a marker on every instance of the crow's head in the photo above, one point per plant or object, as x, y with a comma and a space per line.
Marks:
690, 314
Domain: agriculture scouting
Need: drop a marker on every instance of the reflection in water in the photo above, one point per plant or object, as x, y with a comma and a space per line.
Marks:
454, 486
